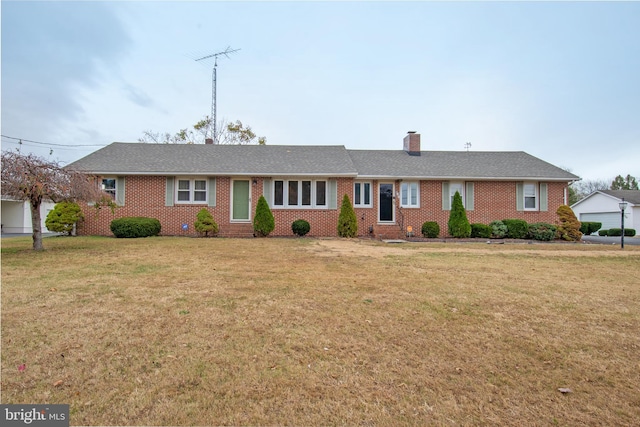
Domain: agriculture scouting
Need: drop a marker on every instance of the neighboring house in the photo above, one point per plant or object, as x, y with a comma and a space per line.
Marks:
603, 206
390, 190
16, 215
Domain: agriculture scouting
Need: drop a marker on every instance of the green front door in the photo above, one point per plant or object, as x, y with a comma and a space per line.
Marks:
240, 200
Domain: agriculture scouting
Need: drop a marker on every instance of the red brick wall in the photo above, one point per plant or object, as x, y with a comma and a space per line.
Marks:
145, 196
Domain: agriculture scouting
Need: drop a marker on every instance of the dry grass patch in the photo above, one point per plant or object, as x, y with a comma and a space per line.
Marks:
179, 331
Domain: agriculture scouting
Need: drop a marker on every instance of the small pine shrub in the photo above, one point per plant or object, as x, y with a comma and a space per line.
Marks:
480, 230
542, 231
300, 227
205, 223
263, 221
498, 229
132, 227
569, 228
347, 222
430, 229
588, 228
603, 232
63, 217
458, 223
516, 228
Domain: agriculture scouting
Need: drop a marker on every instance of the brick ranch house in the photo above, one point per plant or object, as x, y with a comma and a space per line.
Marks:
390, 190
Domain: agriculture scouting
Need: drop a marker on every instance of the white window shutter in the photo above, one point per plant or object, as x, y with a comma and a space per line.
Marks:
469, 196
120, 190
266, 191
520, 196
332, 194
212, 192
544, 197
446, 197
168, 201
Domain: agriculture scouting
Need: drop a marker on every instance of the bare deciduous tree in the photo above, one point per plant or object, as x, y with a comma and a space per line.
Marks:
234, 133
30, 178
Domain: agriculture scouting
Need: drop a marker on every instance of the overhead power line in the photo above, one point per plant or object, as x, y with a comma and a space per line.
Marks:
22, 140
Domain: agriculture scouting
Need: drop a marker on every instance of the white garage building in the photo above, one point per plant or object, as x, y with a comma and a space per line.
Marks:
603, 206
16, 216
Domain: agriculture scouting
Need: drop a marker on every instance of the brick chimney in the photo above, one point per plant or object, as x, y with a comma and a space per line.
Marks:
412, 143
208, 141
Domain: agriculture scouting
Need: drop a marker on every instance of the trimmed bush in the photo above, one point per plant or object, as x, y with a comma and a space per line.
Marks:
516, 228
263, 221
498, 229
480, 230
347, 222
617, 232
569, 228
587, 227
300, 227
132, 227
63, 217
458, 223
430, 229
205, 223
542, 231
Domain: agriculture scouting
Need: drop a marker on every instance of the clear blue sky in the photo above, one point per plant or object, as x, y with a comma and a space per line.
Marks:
559, 80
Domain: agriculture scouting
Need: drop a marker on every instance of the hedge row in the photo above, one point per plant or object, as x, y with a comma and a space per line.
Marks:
130, 227
617, 232
508, 228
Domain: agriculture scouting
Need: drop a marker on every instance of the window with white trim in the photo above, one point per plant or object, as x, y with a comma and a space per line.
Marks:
299, 194
191, 190
362, 195
459, 187
109, 187
530, 196
409, 195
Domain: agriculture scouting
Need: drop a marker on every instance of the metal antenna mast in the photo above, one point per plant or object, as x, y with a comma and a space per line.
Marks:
226, 53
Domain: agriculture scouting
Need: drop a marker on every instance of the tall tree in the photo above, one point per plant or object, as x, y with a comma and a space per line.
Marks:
234, 133
584, 188
30, 178
627, 183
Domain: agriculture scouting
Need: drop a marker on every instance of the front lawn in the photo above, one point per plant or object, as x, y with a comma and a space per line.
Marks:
187, 331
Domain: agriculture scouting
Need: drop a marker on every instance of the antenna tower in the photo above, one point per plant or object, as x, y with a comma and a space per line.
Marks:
226, 53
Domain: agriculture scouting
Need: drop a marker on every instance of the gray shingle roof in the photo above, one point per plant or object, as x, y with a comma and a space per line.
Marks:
456, 164
330, 160
631, 196
189, 159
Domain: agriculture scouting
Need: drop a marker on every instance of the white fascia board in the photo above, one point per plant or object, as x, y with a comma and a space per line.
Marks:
463, 178
235, 174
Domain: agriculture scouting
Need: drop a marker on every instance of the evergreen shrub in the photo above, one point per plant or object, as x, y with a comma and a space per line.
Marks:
603, 232
300, 227
347, 221
542, 231
63, 217
458, 223
498, 229
263, 221
516, 228
569, 228
480, 230
132, 227
617, 232
588, 228
205, 223
430, 229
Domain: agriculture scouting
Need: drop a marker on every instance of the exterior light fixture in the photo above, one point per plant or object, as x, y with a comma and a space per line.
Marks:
623, 206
